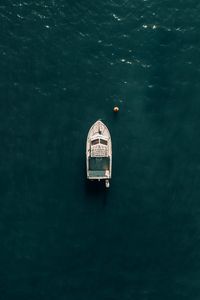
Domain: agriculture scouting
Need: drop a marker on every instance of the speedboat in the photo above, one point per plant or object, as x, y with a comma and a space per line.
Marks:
99, 153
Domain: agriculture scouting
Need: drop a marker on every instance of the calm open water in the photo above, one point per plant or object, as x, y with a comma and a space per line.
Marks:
65, 64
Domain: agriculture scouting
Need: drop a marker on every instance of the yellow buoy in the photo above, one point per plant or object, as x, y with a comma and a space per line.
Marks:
116, 109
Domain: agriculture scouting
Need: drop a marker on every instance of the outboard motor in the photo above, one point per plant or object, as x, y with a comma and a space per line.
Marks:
107, 183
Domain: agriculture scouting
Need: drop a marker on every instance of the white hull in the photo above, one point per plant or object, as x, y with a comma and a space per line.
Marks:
99, 153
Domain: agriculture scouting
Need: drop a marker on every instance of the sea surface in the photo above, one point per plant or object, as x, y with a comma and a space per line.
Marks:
63, 65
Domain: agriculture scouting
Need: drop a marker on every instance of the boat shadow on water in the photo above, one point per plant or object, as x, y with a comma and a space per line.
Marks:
96, 191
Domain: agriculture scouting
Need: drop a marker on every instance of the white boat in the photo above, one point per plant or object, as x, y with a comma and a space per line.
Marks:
99, 153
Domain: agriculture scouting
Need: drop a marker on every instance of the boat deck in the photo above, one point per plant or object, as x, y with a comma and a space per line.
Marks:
99, 163
98, 174
99, 167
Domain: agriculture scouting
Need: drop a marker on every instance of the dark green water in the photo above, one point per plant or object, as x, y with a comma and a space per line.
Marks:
65, 64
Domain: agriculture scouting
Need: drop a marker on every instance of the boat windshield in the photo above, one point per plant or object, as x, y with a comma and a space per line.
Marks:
104, 142
95, 142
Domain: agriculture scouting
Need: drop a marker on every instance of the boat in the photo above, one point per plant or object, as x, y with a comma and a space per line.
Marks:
99, 153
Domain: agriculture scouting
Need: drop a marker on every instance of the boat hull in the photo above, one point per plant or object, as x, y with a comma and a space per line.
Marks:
99, 152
